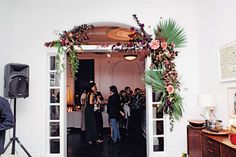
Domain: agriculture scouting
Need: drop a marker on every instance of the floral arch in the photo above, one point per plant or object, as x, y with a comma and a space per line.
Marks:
162, 75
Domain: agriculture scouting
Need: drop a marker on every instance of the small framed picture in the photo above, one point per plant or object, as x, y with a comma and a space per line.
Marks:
232, 101
227, 62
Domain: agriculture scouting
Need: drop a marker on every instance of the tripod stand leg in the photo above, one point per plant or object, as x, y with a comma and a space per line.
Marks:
17, 140
8, 144
14, 139
13, 146
14, 130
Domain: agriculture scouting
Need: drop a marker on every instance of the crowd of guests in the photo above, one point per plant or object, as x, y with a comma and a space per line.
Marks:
124, 110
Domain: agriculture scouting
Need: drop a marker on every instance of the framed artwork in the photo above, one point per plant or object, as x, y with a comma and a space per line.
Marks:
227, 61
232, 101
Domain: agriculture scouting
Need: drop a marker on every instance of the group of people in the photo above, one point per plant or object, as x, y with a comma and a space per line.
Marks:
124, 111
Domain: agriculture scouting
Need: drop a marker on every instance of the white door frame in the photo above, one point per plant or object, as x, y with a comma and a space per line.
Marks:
149, 117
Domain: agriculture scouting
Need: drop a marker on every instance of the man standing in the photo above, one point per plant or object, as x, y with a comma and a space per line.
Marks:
6, 121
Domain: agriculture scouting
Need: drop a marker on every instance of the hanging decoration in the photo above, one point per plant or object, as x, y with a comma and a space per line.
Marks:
67, 42
162, 75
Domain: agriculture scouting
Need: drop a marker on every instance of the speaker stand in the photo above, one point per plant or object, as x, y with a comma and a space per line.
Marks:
15, 139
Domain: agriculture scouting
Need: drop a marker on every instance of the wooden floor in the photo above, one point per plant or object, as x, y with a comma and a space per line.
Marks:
127, 147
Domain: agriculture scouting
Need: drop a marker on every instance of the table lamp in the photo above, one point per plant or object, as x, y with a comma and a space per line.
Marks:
208, 101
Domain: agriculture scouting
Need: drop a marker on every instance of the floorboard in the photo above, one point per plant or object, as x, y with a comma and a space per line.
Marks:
127, 147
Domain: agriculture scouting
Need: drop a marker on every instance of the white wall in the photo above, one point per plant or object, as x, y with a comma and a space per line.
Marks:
216, 28
33, 23
5, 35
112, 71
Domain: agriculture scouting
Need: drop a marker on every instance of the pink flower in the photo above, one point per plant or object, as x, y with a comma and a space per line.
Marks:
167, 53
154, 44
166, 62
163, 45
173, 44
70, 34
67, 41
170, 89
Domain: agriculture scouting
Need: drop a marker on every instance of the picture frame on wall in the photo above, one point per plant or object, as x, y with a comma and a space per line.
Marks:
227, 62
232, 101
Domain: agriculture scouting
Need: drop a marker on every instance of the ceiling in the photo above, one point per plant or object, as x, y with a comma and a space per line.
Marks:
108, 34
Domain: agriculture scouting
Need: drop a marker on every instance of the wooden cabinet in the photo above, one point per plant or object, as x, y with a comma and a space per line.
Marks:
227, 151
194, 142
204, 145
210, 147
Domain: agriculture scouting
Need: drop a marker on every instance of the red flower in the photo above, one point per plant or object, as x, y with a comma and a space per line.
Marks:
62, 42
67, 41
170, 89
47, 44
131, 35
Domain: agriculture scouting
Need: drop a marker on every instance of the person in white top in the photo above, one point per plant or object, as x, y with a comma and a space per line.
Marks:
125, 102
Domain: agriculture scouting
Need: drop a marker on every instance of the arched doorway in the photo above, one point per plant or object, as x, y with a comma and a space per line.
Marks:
107, 71
115, 33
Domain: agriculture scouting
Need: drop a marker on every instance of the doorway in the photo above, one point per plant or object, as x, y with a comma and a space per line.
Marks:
83, 77
154, 126
109, 71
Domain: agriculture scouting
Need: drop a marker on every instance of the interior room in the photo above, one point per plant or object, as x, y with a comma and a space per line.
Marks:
188, 110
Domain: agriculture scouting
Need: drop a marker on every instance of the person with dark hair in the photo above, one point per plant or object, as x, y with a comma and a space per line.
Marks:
6, 121
136, 106
98, 112
114, 111
90, 122
83, 106
125, 101
129, 92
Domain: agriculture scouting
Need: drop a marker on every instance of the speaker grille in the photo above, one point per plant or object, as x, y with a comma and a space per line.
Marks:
18, 86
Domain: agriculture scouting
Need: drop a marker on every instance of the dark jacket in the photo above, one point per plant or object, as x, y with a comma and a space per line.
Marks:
6, 120
137, 102
113, 106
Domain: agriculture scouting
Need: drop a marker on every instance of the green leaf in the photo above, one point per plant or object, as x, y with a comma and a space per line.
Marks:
171, 32
154, 79
177, 106
74, 62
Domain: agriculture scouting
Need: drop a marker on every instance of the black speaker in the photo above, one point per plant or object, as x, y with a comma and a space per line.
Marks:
16, 80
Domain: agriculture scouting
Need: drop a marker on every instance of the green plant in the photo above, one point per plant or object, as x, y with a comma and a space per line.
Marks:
171, 102
171, 32
163, 76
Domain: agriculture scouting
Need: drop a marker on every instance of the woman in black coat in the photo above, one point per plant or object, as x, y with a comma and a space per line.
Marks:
90, 123
114, 112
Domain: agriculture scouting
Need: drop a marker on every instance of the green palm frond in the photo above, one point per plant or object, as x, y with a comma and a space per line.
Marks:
177, 106
171, 32
153, 78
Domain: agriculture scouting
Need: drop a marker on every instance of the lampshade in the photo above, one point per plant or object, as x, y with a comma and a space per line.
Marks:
206, 100
130, 57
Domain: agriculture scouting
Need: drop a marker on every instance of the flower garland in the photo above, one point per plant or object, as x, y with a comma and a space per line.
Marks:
66, 43
162, 75
168, 36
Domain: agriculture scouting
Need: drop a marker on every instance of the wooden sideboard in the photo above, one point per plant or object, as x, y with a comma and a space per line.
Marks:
204, 145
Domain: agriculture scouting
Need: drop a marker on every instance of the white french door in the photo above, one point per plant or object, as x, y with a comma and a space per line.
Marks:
56, 110
155, 122
56, 115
